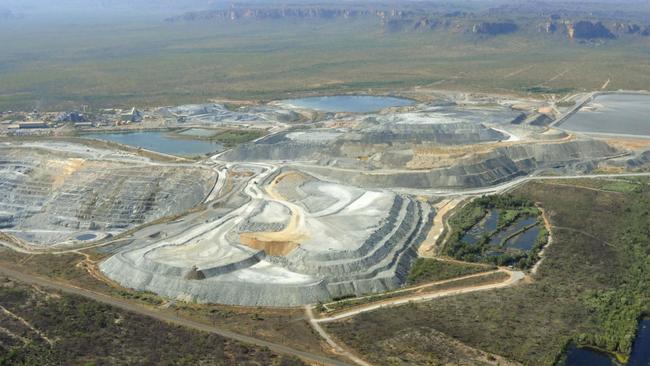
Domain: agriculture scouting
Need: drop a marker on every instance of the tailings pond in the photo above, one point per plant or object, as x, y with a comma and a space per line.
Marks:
161, 142
616, 114
640, 355
348, 103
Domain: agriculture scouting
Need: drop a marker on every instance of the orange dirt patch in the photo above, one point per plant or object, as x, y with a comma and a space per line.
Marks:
342, 124
284, 241
65, 169
275, 248
428, 246
633, 144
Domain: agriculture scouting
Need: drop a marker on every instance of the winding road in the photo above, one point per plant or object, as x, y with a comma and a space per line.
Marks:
515, 276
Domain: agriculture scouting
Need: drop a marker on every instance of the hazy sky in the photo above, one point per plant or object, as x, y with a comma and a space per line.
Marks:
151, 7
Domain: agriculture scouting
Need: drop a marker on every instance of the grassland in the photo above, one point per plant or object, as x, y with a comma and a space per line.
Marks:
429, 270
620, 185
60, 329
234, 137
285, 326
66, 64
484, 279
590, 289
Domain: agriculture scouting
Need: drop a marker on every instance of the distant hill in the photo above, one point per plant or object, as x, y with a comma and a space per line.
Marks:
557, 18
6, 14
104, 7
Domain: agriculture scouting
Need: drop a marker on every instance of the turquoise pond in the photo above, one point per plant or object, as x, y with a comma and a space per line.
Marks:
161, 142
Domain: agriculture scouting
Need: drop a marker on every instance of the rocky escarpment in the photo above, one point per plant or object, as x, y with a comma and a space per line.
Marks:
270, 13
6, 14
574, 24
494, 29
588, 30
622, 28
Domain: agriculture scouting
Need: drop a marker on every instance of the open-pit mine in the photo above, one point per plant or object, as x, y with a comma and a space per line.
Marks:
315, 205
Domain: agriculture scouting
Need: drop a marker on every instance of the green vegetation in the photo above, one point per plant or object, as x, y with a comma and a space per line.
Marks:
465, 218
619, 308
459, 283
429, 270
566, 104
287, 325
590, 289
621, 185
233, 137
149, 62
143, 296
546, 90
511, 209
15, 117
84, 332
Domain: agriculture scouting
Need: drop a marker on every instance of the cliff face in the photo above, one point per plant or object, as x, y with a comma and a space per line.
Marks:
270, 13
494, 29
6, 14
429, 20
588, 30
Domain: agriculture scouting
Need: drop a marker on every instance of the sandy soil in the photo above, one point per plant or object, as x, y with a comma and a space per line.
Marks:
442, 210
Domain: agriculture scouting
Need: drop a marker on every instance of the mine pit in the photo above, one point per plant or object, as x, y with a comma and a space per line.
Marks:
312, 211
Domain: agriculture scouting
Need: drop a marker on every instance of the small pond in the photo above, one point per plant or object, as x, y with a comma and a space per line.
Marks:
161, 142
486, 226
85, 237
640, 355
525, 240
348, 103
492, 220
576, 356
511, 229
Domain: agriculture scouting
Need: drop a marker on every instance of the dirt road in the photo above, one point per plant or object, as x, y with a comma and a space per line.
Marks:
428, 246
515, 276
166, 317
340, 350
